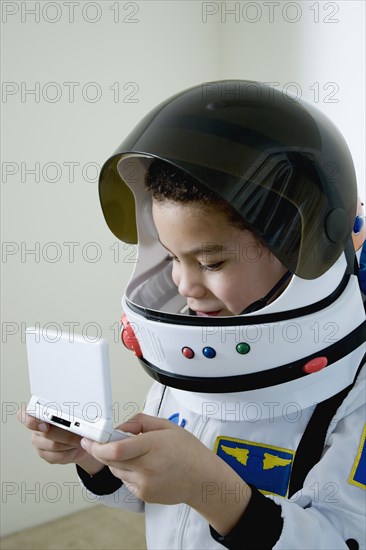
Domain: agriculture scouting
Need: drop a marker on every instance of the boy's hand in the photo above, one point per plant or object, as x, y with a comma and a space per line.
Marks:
163, 461
168, 465
58, 446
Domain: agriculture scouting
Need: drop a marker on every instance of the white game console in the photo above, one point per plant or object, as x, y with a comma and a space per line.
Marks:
70, 384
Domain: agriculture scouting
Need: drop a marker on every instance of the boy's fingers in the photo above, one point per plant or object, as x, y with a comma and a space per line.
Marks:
50, 445
142, 423
131, 448
119, 451
54, 433
32, 423
64, 457
107, 453
92, 447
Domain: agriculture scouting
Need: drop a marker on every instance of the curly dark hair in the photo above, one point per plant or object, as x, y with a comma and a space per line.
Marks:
169, 183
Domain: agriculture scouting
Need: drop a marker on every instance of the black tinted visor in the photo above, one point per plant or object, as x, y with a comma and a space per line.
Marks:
281, 165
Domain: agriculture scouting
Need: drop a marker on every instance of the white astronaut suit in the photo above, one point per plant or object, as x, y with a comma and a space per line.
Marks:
278, 392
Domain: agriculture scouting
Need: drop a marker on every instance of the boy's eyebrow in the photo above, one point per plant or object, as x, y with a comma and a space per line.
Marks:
207, 248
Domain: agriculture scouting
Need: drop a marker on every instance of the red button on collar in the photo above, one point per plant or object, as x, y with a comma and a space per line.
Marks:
188, 352
315, 365
128, 337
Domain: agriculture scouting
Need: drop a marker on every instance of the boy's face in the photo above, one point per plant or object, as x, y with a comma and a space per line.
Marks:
217, 267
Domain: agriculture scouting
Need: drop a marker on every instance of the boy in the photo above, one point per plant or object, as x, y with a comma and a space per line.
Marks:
262, 378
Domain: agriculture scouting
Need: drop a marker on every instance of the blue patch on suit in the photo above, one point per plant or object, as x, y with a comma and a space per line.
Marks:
266, 467
358, 474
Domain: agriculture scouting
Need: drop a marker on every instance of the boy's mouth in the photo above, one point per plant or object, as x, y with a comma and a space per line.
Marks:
207, 313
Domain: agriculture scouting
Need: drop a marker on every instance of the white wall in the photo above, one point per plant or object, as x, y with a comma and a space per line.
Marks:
315, 50
170, 46
166, 50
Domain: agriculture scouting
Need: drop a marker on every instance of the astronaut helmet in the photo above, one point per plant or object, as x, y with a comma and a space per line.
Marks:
283, 168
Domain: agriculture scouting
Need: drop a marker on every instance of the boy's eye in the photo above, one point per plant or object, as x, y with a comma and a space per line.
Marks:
202, 267
211, 267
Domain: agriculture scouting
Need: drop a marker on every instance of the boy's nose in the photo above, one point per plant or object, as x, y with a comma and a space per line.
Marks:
190, 285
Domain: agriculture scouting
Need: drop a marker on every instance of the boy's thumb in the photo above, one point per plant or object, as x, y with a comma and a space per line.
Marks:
142, 423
